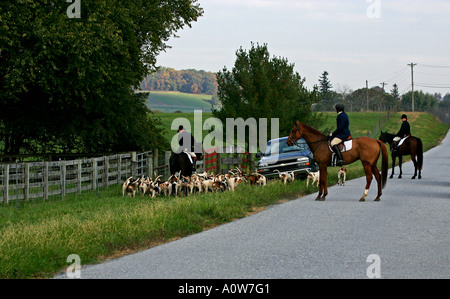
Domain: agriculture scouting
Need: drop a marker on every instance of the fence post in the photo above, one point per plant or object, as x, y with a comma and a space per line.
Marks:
94, 174
106, 172
45, 180
63, 178
79, 176
119, 169
26, 181
6, 184
133, 164
167, 162
155, 161
219, 161
149, 166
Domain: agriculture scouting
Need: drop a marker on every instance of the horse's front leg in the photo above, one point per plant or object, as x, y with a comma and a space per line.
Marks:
323, 190
400, 166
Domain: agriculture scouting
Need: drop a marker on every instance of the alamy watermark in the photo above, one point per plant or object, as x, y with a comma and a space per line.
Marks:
74, 270
374, 269
74, 9
374, 9
257, 133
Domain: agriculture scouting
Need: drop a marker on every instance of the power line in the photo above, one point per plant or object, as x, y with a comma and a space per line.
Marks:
436, 66
432, 86
429, 74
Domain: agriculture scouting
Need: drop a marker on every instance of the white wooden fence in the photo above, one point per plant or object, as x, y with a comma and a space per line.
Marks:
33, 180
30, 180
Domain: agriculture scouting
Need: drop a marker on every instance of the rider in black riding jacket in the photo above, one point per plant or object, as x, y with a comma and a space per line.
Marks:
405, 131
187, 144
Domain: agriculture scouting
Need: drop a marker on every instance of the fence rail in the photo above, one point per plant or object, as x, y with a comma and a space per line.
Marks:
33, 180
30, 180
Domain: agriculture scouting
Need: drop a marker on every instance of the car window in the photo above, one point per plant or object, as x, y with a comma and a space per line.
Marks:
276, 147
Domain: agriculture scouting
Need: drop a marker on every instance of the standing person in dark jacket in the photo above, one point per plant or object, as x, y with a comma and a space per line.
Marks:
341, 134
187, 145
405, 131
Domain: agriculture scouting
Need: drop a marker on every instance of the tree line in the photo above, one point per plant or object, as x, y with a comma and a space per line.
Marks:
378, 99
188, 81
68, 84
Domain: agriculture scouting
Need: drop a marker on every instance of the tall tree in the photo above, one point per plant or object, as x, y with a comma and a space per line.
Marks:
67, 84
261, 86
328, 98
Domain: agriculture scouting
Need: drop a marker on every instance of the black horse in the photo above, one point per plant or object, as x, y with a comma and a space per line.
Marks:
411, 146
181, 163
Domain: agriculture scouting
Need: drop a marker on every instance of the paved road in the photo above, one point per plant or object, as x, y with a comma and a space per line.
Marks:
409, 230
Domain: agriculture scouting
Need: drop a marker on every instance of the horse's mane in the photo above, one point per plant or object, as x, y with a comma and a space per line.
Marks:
311, 129
388, 135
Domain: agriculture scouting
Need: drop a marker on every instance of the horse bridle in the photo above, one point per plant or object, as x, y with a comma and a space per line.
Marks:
291, 140
309, 143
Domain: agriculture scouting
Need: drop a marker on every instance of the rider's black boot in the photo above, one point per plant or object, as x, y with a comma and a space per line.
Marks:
339, 160
394, 147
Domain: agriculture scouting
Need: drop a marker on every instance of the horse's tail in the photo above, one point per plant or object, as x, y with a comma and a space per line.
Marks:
419, 153
384, 163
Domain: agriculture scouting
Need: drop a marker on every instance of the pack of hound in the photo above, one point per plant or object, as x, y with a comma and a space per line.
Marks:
197, 183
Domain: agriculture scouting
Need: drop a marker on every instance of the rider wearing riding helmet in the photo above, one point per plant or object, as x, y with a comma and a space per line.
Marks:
405, 131
342, 133
187, 144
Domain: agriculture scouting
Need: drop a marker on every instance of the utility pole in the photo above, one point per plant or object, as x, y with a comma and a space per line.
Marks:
382, 97
412, 82
367, 94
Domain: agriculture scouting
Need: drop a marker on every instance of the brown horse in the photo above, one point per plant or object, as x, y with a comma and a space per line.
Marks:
412, 146
365, 149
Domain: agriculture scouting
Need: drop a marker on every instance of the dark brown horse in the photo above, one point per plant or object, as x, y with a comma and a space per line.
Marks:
365, 149
411, 146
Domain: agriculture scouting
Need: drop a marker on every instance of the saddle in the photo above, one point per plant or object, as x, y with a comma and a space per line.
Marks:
402, 140
343, 146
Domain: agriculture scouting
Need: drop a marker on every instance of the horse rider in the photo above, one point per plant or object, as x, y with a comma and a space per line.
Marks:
187, 144
341, 134
405, 131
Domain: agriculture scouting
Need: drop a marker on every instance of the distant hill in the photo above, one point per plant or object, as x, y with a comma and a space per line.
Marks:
164, 101
186, 81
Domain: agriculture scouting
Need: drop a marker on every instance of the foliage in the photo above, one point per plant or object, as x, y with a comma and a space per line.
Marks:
67, 84
328, 97
188, 81
260, 86
38, 237
422, 101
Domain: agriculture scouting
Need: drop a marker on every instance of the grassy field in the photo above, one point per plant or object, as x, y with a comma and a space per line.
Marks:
177, 101
37, 238
360, 123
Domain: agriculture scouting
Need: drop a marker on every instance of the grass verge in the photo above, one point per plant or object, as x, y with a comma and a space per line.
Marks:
37, 238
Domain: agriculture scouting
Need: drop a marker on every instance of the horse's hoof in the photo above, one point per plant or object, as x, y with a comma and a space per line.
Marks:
399, 176
391, 177
362, 200
320, 199
413, 178
377, 199
420, 177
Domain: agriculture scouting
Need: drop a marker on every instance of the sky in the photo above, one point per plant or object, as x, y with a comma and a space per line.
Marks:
353, 40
